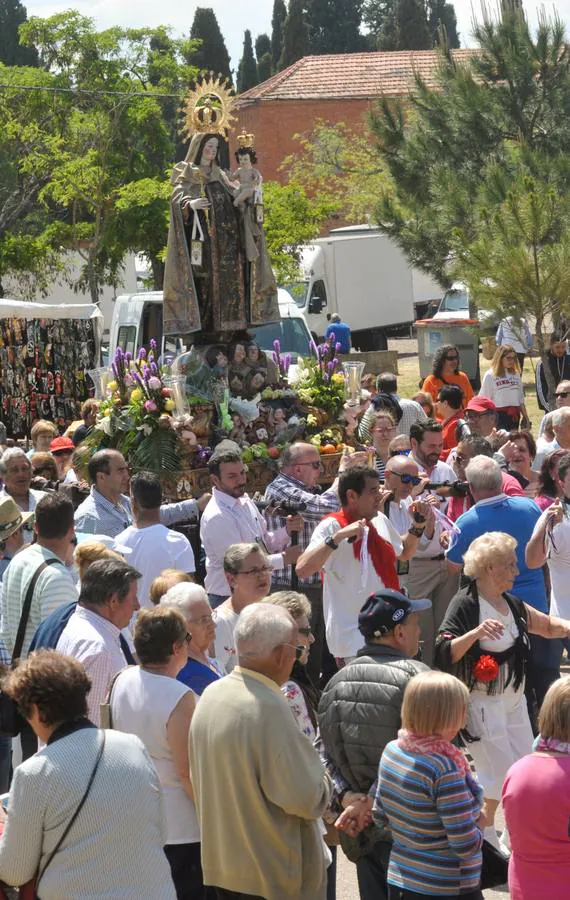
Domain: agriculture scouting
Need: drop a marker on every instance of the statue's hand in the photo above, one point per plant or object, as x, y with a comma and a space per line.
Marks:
199, 203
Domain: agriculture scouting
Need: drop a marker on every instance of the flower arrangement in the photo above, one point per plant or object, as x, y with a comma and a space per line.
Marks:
320, 385
486, 669
283, 362
136, 415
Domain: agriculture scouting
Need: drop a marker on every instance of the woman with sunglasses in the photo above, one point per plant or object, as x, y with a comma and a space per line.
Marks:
446, 371
503, 385
382, 431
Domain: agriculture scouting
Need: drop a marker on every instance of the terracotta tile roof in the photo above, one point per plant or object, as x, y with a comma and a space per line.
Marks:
350, 75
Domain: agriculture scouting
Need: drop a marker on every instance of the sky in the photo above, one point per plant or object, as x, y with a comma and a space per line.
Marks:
233, 17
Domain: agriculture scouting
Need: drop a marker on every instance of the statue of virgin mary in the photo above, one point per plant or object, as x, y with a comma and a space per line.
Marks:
217, 280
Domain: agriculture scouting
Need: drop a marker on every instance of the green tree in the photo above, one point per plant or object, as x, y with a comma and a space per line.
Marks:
247, 69
295, 35
334, 26
263, 56
291, 220
335, 163
441, 16
12, 53
488, 139
277, 24
406, 27
211, 54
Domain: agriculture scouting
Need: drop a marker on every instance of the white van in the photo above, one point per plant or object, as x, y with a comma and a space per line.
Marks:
138, 317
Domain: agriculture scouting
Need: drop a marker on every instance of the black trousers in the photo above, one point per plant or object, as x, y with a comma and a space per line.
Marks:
186, 870
396, 893
372, 872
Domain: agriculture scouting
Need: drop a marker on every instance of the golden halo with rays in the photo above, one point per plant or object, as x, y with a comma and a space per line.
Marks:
209, 107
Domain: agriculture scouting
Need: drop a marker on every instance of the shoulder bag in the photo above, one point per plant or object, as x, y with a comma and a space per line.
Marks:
28, 891
10, 719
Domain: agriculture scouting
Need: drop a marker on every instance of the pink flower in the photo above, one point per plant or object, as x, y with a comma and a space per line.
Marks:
154, 383
150, 406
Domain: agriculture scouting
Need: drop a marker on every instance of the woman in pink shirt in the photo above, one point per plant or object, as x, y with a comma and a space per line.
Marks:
536, 802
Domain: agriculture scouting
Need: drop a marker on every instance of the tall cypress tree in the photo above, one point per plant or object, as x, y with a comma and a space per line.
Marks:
12, 15
263, 56
334, 26
441, 15
212, 54
295, 35
277, 25
406, 27
262, 45
247, 69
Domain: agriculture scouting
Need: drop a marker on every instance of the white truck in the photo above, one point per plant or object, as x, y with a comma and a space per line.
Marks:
362, 275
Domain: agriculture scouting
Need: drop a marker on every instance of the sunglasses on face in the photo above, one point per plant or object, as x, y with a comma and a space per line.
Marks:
298, 650
400, 452
408, 479
563, 394
460, 458
306, 632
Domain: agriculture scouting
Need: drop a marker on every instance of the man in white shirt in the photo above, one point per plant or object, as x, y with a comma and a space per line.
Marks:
16, 472
231, 517
153, 547
428, 575
248, 571
402, 476
92, 635
357, 558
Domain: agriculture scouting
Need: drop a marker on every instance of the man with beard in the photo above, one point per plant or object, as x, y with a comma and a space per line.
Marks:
231, 517
428, 575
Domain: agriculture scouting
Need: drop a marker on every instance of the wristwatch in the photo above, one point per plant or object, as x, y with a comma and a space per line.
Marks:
330, 542
416, 532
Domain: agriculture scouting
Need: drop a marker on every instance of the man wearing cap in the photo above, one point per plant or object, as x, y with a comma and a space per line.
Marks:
62, 449
481, 416
359, 713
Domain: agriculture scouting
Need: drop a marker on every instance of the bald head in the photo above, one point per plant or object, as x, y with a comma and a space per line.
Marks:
395, 468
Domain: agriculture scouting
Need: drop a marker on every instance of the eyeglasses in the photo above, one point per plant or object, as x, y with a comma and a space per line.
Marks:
315, 464
298, 650
400, 452
563, 394
203, 620
306, 632
460, 458
257, 570
408, 479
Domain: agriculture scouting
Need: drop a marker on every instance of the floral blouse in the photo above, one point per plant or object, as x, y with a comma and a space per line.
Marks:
294, 697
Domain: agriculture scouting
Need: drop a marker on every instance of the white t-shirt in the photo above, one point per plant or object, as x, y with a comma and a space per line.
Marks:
142, 703
558, 547
154, 549
503, 390
346, 587
225, 651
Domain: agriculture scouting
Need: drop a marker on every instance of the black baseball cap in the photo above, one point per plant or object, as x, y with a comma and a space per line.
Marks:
385, 609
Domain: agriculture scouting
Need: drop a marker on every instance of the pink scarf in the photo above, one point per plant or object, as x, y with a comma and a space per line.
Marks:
417, 743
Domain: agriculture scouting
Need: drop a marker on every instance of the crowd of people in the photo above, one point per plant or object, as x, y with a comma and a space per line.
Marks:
375, 664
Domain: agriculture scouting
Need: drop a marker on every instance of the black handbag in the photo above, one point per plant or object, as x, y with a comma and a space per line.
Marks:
11, 721
495, 868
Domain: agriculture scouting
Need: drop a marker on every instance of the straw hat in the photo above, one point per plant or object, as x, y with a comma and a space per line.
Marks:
11, 517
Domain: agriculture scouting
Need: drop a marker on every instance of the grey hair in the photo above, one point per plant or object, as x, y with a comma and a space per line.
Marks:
292, 451
484, 474
559, 416
260, 628
183, 596
295, 603
236, 553
10, 454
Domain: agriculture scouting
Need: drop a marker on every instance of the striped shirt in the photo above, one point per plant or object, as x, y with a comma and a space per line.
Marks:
317, 506
432, 814
53, 588
411, 413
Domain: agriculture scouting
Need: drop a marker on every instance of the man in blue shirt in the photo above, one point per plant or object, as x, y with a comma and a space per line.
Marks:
341, 333
517, 516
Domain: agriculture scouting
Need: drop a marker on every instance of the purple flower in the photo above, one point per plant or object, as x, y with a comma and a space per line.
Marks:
141, 353
277, 346
335, 363
150, 406
146, 374
330, 367
275, 358
138, 379
331, 338
152, 344
128, 356
154, 383
338, 348
154, 368
326, 377
115, 370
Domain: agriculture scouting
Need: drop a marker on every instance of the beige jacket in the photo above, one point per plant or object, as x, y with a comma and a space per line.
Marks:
260, 789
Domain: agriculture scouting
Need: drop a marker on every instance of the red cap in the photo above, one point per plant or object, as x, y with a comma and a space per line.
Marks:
61, 444
481, 405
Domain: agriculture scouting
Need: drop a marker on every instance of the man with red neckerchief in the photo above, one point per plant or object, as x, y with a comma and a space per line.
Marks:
356, 550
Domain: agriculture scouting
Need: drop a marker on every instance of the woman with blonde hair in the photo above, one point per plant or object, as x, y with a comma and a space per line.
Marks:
536, 801
429, 797
484, 641
382, 430
503, 385
88, 552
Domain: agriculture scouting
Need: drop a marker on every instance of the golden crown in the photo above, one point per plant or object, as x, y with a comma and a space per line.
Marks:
209, 107
245, 140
